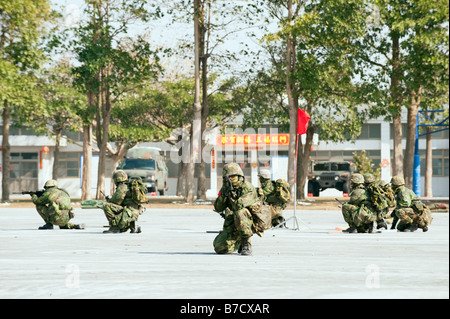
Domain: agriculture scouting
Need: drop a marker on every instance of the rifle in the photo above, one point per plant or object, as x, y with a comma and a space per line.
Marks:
106, 196
339, 202
229, 187
37, 193
91, 204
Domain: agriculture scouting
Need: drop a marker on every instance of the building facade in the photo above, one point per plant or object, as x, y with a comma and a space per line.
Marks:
32, 157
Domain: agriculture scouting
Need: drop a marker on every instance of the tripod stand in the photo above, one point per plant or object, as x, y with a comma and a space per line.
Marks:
294, 217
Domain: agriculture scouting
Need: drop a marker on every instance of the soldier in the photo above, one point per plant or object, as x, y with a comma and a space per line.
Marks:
358, 212
378, 198
409, 211
390, 197
239, 205
120, 210
54, 207
275, 194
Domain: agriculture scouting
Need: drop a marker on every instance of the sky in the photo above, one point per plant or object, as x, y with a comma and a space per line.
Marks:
163, 34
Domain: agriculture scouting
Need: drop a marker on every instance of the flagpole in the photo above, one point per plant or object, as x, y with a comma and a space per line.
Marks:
305, 118
295, 184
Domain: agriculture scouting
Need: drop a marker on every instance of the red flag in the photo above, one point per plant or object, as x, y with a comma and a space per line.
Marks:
302, 121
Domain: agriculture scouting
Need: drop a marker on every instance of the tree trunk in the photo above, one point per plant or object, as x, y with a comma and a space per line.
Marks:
408, 161
396, 99
105, 115
303, 157
181, 184
87, 162
6, 150
196, 124
293, 105
201, 188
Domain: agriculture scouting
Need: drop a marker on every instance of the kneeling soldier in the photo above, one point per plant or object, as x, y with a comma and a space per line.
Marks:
54, 206
244, 215
121, 210
410, 211
358, 212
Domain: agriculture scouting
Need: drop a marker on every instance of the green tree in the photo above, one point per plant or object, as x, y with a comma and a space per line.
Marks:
399, 50
22, 24
58, 111
364, 165
312, 69
112, 64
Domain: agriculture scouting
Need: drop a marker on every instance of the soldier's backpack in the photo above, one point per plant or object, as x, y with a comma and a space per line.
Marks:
378, 197
285, 194
138, 191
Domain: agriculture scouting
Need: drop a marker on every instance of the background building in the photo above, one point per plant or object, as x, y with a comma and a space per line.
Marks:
32, 158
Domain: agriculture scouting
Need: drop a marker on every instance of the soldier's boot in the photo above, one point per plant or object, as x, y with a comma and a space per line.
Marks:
112, 230
409, 229
134, 228
382, 224
46, 226
350, 230
279, 222
246, 249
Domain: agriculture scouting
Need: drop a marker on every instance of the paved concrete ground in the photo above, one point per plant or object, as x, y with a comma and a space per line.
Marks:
173, 258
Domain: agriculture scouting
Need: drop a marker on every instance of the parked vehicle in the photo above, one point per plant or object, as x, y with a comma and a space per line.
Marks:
149, 164
324, 174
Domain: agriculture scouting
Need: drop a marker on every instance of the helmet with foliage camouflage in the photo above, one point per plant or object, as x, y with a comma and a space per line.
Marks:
50, 183
265, 173
357, 179
383, 183
369, 178
119, 176
397, 181
232, 169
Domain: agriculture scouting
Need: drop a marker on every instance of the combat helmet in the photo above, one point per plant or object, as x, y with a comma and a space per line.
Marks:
369, 178
50, 183
397, 181
265, 173
120, 176
357, 179
232, 169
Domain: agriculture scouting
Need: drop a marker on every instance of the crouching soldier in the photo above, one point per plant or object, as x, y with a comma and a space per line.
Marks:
121, 210
276, 194
410, 212
54, 206
244, 215
358, 212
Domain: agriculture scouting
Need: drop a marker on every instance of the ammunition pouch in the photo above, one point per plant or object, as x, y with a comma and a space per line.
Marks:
418, 206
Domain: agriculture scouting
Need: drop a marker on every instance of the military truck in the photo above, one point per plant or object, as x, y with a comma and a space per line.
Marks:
149, 164
326, 174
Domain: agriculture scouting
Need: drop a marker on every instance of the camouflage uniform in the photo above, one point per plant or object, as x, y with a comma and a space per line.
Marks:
358, 212
120, 210
378, 199
54, 206
409, 211
244, 215
275, 195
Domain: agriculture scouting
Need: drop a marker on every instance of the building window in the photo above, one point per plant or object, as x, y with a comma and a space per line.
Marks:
370, 132
439, 163
69, 164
